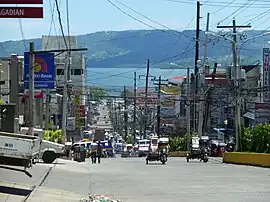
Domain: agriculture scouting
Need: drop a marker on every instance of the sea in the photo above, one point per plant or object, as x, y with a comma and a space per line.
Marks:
114, 79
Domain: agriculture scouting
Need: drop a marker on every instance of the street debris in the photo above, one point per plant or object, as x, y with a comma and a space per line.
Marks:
98, 198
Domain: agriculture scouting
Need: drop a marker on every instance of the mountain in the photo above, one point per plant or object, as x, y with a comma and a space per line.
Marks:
132, 48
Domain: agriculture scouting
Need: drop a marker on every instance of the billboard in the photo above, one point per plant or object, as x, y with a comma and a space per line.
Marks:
44, 70
21, 1
21, 12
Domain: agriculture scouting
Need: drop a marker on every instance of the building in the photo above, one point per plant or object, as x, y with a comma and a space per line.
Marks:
78, 73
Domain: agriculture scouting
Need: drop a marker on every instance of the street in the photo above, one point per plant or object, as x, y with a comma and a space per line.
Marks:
131, 180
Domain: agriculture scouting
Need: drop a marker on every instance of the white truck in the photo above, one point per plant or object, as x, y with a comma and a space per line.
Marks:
18, 150
49, 151
23, 150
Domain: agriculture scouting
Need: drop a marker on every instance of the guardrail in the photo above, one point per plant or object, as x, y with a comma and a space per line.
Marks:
244, 158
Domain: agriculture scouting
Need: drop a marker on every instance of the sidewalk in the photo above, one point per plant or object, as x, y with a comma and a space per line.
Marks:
16, 193
42, 194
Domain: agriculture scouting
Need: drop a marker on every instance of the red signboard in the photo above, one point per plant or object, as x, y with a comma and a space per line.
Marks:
37, 94
21, 12
21, 1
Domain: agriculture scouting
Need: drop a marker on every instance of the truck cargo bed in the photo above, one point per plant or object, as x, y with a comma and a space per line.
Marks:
19, 146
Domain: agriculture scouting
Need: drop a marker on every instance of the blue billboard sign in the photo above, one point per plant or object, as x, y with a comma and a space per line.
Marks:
44, 70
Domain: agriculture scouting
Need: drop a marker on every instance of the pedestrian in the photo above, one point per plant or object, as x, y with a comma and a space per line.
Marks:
99, 151
93, 149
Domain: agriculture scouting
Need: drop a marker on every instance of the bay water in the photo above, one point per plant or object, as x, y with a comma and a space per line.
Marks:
116, 78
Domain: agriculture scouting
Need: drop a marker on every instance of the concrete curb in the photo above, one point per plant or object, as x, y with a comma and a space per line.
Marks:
244, 158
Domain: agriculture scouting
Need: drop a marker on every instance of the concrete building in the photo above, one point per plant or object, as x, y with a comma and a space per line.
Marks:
77, 71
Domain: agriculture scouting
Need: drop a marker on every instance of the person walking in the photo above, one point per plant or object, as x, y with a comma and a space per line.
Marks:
93, 149
99, 151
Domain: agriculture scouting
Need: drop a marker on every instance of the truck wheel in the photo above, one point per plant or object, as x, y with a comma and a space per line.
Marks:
48, 157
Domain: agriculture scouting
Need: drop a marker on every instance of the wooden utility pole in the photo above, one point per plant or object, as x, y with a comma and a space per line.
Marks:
197, 49
237, 79
202, 80
159, 101
159, 106
32, 100
196, 72
47, 110
188, 108
125, 113
134, 109
146, 99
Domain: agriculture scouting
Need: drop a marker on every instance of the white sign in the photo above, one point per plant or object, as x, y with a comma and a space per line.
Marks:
71, 123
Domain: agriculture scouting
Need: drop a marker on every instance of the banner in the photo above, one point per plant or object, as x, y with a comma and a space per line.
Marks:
44, 70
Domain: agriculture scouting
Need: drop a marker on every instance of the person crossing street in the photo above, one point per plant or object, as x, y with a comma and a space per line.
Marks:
99, 151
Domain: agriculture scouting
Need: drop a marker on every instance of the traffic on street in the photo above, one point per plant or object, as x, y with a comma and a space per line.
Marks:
131, 180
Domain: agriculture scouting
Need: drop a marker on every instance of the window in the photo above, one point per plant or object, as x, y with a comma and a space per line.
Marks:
60, 71
77, 72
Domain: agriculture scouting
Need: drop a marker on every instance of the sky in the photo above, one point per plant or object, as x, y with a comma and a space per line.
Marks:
88, 16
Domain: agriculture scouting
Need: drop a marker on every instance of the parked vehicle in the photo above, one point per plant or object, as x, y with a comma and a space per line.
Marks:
49, 151
18, 150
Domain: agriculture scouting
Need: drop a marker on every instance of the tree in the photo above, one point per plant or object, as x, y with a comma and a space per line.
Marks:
97, 93
256, 139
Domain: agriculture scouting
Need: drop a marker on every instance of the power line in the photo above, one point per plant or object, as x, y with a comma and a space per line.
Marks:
142, 22
22, 32
158, 62
158, 23
51, 24
60, 23
221, 4
178, 39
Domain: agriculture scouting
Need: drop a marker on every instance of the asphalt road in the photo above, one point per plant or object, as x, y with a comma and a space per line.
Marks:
131, 180
104, 112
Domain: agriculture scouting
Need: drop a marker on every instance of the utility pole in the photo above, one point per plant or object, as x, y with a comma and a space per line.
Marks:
158, 107
146, 99
65, 103
159, 101
120, 129
47, 108
32, 100
197, 49
125, 113
66, 93
188, 108
237, 79
202, 80
134, 109
196, 72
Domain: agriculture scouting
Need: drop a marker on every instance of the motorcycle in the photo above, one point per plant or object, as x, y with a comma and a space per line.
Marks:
163, 156
204, 155
198, 150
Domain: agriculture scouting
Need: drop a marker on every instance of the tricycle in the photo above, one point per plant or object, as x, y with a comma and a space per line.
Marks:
198, 149
161, 153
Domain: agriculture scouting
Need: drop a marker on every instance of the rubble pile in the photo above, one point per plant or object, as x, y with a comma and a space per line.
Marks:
98, 198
